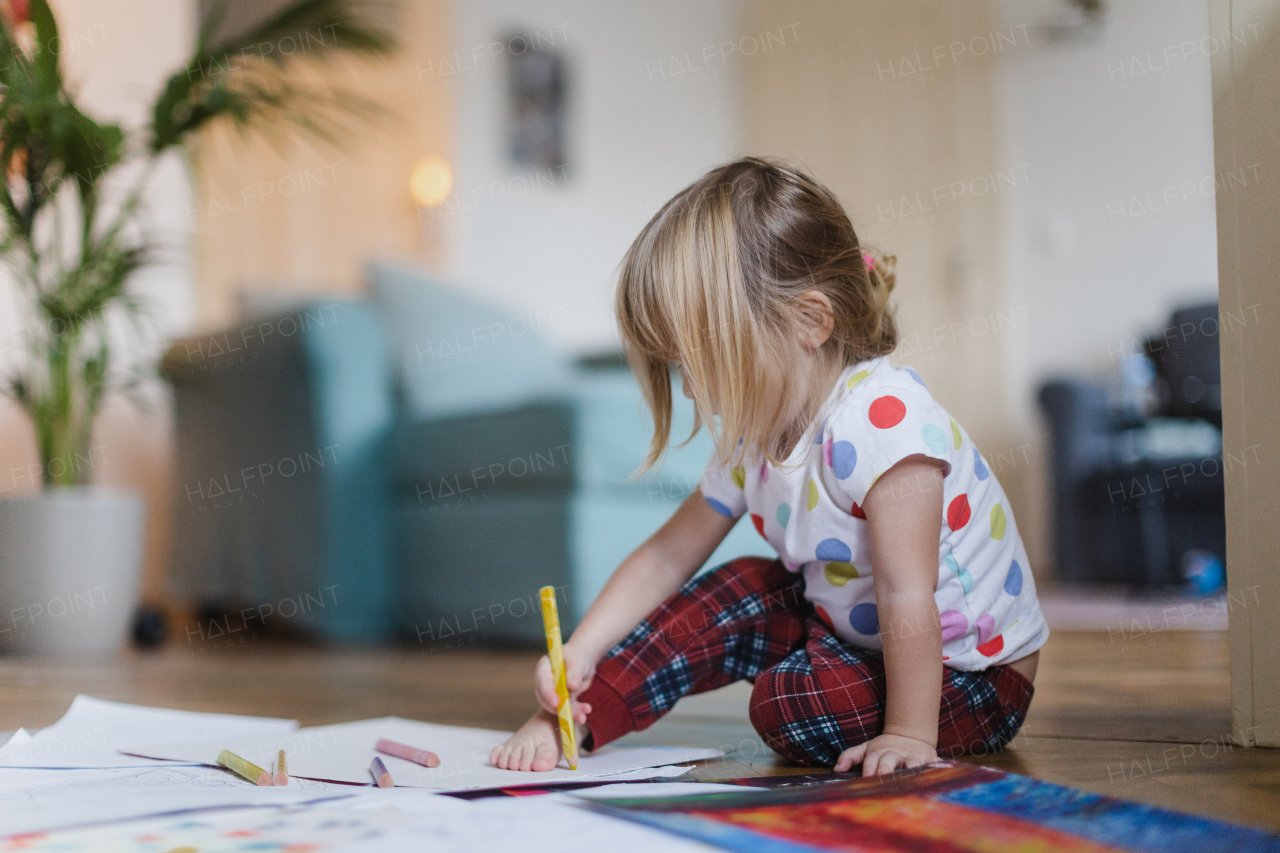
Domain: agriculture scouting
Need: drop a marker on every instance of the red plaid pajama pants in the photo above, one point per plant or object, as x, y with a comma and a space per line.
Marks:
814, 695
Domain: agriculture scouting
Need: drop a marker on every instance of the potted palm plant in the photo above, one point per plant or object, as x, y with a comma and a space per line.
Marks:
72, 240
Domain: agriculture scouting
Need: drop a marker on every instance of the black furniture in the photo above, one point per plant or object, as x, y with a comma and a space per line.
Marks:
1133, 491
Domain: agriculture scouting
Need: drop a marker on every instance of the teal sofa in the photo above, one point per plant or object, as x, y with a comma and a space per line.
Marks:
413, 464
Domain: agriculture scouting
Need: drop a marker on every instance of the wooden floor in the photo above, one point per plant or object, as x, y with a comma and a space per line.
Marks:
1142, 717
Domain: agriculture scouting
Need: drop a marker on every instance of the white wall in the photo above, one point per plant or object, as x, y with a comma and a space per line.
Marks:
1105, 126
636, 135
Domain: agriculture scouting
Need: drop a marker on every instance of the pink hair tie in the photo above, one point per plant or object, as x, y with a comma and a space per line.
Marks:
869, 261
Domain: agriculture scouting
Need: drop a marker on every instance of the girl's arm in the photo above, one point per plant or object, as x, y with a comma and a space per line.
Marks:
647, 577
904, 516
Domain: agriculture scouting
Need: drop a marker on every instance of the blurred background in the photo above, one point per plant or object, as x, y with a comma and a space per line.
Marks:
390, 401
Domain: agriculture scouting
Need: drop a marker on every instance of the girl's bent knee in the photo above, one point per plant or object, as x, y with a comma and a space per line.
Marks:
793, 739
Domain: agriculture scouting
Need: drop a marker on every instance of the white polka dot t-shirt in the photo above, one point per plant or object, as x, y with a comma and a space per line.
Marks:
810, 511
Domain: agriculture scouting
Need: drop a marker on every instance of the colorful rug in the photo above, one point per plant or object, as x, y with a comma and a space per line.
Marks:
944, 808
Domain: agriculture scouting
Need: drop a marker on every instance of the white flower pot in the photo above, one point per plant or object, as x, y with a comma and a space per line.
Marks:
70, 566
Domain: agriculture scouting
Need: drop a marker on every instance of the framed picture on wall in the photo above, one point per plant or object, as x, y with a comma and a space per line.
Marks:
536, 88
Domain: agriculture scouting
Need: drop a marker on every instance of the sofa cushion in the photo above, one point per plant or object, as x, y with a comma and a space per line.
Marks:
446, 459
458, 354
612, 429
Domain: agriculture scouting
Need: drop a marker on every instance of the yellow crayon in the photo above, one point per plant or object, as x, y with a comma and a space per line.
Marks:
282, 770
245, 769
551, 622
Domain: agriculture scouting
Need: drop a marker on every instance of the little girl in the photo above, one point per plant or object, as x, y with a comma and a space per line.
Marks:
899, 621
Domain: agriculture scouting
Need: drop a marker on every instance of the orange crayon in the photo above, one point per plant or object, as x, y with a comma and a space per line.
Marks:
282, 770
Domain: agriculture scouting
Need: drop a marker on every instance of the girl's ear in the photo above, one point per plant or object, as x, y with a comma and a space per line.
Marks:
816, 318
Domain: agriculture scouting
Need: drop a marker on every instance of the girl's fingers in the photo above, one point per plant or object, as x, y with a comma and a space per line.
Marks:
547, 696
888, 762
578, 678
850, 757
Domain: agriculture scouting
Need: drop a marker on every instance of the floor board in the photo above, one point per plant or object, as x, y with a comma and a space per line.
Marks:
1144, 716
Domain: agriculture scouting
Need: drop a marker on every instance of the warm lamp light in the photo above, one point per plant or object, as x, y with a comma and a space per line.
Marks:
430, 181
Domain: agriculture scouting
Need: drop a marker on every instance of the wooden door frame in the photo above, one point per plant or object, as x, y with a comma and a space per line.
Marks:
1245, 60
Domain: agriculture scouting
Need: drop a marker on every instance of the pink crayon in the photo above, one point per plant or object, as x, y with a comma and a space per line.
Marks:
408, 753
380, 774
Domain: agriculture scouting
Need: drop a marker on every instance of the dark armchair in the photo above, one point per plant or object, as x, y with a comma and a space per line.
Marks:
1135, 489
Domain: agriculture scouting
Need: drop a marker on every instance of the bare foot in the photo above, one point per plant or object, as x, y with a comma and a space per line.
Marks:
536, 746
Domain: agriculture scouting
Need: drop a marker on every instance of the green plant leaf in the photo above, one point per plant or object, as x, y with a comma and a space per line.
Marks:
48, 46
238, 80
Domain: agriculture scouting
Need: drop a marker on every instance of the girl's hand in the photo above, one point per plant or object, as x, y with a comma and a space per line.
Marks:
578, 669
886, 753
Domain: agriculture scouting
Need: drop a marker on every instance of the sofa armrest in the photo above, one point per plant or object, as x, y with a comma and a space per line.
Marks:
283, 427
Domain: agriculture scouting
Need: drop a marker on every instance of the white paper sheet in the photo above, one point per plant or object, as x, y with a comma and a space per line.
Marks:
44, 800
343, 752
93, 732
441, 825
532, 825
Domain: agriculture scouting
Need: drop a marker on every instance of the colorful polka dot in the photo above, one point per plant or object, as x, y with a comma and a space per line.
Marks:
783, 514
980, 467
934, 439
719, 507
817, 439
833, 549
825, 618
958, 512
856, 512
961, 573
844, 458
839, 573
739, 477
954, 624
986, 627
865, 619
1013, 580
915, 376
998, 522
813, 494
956, 438
758, 521
886, 411
856, 378
992, 647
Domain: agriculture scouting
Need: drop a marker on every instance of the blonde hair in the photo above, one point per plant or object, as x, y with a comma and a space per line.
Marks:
714, 282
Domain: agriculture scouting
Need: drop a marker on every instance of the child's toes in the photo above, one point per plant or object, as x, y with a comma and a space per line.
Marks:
525, 758
545, 758
511, 755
